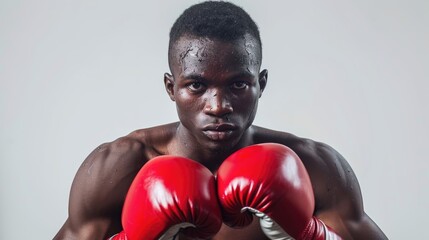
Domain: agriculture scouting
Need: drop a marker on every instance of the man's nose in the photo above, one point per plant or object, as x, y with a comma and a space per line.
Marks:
217, 104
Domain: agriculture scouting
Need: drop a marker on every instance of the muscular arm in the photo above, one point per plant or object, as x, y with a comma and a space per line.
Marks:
99, 188
338, 197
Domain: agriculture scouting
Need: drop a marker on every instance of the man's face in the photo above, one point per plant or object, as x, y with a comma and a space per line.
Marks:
216, 86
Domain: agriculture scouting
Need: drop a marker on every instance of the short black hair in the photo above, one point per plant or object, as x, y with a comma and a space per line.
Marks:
214, 19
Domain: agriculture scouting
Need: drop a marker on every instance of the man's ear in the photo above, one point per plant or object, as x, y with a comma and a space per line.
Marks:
263, 78
169, 85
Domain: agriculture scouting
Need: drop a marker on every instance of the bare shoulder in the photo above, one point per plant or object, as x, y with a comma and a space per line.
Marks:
99, 188
337, 192
331, 175
106, 168
334, 181
102, 181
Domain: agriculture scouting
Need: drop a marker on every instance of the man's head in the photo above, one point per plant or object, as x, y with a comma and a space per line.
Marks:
215, 59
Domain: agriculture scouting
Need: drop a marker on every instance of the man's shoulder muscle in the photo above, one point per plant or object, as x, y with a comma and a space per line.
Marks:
328, 170
108, 165
102, 181
100, 185
336, 188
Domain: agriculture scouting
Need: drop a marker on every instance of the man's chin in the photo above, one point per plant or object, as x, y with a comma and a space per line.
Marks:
219, 146
219, 136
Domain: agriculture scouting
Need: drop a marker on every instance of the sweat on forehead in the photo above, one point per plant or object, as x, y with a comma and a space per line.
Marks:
187, 49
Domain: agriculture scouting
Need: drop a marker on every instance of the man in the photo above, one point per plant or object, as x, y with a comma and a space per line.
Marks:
215, 55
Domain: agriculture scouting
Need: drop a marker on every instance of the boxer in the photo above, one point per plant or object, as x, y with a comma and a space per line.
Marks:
215, 81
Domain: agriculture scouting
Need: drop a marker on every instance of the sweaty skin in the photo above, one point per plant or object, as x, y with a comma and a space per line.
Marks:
216, 86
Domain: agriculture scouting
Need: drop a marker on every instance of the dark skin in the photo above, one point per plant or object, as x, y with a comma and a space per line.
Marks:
211, 82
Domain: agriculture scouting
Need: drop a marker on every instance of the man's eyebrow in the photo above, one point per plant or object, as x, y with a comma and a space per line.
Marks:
194, 76
199, 77
242, 75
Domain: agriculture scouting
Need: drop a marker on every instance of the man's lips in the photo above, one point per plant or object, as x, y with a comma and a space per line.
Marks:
219, 132
222, 127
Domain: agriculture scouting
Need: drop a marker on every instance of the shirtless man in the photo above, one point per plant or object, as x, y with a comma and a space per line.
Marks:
215, 57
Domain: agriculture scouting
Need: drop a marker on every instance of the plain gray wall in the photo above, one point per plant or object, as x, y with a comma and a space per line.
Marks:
74, 74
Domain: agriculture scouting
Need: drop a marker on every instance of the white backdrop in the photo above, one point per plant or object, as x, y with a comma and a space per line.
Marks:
74, 74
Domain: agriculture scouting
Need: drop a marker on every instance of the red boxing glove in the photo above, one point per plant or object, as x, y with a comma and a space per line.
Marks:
270, 181
168, 195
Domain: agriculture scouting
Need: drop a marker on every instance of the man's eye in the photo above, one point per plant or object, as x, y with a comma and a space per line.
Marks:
195, 86
239, 85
